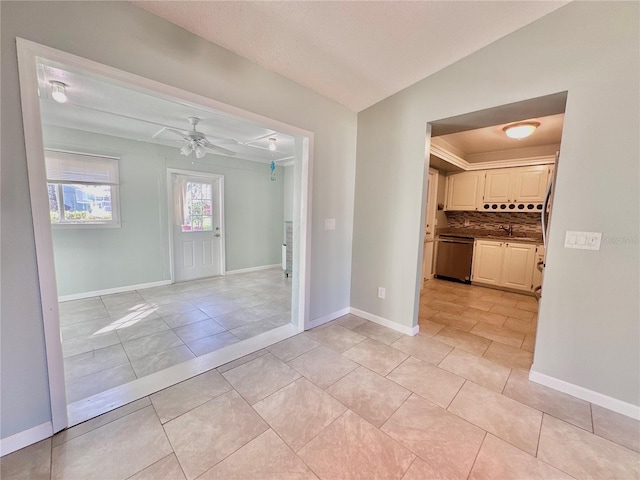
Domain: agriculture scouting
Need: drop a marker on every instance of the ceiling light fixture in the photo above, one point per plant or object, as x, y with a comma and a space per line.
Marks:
272, 144
58, 91
186, 150
521, 129
200, 152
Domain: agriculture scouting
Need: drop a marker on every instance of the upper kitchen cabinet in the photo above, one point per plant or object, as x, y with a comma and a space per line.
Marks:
498, 185
465, 190
530, 185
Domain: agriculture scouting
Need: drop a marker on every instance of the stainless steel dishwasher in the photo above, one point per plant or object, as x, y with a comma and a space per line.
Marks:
455, 255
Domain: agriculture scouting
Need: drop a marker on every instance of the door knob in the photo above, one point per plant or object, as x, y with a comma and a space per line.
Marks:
216, 235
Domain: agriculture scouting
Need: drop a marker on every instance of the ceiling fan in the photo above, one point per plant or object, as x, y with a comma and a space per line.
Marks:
197, 141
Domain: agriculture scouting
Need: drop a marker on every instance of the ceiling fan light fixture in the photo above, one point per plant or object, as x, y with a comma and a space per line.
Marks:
521, 129
200, 151
272, 144
186, 150
58, 91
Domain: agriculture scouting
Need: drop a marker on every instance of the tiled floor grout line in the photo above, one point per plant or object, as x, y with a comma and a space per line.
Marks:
475, 459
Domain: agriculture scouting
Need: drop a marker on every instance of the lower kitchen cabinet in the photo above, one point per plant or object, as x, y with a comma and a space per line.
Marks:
504, 264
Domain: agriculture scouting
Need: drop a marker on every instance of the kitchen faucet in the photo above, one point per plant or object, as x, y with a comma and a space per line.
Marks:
508, 230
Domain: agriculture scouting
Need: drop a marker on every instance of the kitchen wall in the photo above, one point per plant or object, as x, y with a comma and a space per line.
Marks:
122, 36
588, 330
138, 251
529, 223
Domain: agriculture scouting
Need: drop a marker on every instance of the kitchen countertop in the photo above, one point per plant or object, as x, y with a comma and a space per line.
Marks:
491, 235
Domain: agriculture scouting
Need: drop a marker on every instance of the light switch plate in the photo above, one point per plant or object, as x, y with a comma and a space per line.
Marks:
583, 240
329, 223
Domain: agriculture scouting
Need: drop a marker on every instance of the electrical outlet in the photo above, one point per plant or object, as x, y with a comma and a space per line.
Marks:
381, 292
329, 223
466, 222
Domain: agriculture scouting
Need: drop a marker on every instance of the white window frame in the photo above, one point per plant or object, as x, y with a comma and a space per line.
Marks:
114, 187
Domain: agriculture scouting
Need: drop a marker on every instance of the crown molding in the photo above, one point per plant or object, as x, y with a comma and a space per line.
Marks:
459, 162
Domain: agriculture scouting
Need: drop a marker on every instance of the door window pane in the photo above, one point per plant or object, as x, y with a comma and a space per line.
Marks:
198, 208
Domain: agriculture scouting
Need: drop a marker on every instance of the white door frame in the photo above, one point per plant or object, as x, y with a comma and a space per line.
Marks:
170, 216
28, 54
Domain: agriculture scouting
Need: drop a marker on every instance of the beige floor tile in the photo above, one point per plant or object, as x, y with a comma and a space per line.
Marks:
95, 361
88, 327
167, 469
180, 319
584, 455
178, 399
336, 337
81, 429
378, 332
323, 366
498, 334
293, 347
444, 296
241, 361
428, 381
236, 319
422, 347
446, 442
477, 369
499, 460
511, 311
121, 298
116, 450
214, 342
209, 433
264, 458
476, 303
136, 329
88, 343
465, 341
29, 463
195, 331
299, 412
618, 428
260, 377
507, 419
350, 321
429, 328
83, 387
545, 399
351, 448
426, 313
371, 396
253, 329
529, 306
151, 344
478, 315
500, 302
421, 470
509, 356
455, 321
376, 356
529, 343
522, 326
448, 307
154, 363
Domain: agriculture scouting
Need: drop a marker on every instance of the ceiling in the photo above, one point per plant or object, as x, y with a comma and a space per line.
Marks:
354, 52
99, 105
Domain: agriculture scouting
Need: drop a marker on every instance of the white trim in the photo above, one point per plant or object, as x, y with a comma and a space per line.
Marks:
100, 403
328, 318
591, 396
254, 269
25, 438
109, 291
385, 323
28, 53
460, 162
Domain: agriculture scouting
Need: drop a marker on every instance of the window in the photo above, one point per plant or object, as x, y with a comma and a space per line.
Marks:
198, 214
83, 189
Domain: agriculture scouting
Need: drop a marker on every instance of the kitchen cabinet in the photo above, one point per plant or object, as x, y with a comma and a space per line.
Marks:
465, 190
530, 184
498, 185
504, 264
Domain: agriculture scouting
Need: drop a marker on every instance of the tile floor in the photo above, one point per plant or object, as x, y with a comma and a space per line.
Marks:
353, 400
114, 339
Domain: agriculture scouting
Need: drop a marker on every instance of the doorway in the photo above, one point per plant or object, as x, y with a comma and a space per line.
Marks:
196, 218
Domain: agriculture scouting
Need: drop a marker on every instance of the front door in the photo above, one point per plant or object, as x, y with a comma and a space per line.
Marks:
197, 226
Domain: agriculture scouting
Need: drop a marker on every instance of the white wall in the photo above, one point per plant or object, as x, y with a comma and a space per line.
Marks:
122, 36
589, 329
138, 252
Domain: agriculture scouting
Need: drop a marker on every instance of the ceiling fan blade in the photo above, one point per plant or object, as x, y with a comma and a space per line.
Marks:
211, 146
221, 141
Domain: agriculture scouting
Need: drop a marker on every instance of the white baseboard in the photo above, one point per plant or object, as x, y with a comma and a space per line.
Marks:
386, 323
577, 391
327, 318
254, 269
109, 291
25, 438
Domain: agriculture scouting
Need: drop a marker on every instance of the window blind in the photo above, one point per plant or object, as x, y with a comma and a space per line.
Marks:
77, 167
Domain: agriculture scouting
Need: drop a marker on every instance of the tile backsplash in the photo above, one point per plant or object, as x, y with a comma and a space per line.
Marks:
523, 222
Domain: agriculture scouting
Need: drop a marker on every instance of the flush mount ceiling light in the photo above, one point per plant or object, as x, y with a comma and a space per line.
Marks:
58, 91
521, 129
272, 144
